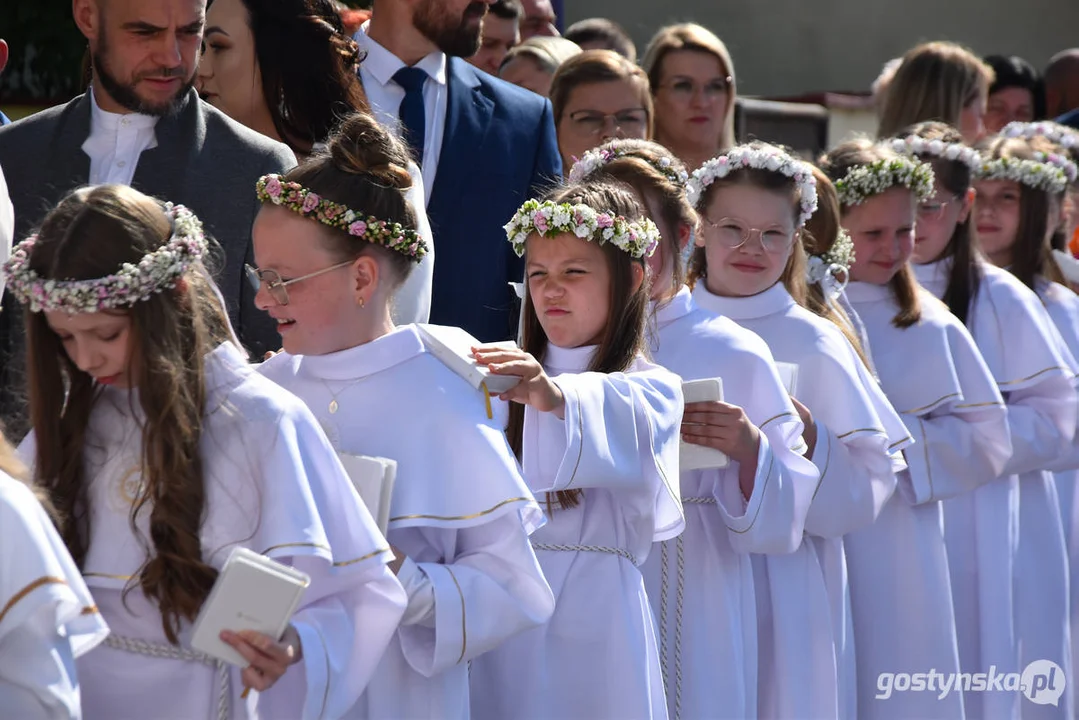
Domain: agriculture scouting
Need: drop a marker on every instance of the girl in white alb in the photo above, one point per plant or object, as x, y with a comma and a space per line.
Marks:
1020, 192
750, 260
460, 513
596, 426
700, 584
931, 371
166, 452
47, 616
1015, 336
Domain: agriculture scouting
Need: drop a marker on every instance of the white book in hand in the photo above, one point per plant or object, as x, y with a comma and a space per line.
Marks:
453, 346
699, 457
252, 592
788, 373
373, 478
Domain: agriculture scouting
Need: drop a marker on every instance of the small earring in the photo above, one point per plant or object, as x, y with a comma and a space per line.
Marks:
360, 302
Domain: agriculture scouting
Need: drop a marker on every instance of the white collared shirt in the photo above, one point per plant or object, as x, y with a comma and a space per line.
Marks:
115, 143
385, 97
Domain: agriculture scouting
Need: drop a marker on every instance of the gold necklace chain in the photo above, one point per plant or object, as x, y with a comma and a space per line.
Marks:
334, 406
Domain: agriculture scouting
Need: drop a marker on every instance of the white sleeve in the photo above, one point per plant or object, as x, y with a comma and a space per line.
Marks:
412, 301
857, 479
37, 670
491, 590
1041, 420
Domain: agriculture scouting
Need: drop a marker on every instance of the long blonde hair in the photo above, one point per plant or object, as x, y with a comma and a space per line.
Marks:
690, 36
935, 81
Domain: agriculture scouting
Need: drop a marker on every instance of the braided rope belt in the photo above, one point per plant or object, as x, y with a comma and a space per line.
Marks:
588, 548
698, 501
171, 652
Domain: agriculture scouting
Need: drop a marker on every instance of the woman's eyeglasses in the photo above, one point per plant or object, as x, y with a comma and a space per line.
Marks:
633, 121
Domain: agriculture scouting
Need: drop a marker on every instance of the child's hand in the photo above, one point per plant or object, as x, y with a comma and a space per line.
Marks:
723, 427
269, 659
535, 388
809, 434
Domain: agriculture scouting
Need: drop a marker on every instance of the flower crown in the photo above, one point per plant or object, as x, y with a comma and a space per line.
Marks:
831, 270
1048, 173
593, 160
865, 181
770, 159
1053, 132
303, 202
547, 219
156, 272
956, 152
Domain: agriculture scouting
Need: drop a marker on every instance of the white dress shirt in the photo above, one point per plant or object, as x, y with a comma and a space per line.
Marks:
7, 226
115, 143
385, 97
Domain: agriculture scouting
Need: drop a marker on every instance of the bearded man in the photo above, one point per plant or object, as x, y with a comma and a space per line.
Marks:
484, 147
141, 124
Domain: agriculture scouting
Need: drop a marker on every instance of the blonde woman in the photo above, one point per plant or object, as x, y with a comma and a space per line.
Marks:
938, 81
533, 63
693, 87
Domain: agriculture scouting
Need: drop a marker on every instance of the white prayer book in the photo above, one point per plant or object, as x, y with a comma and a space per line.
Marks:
373, 478
453, 346
699, 457
1068, 265
252, 592
788, 373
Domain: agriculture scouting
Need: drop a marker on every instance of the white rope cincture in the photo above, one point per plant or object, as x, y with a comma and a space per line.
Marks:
663, 613
587, 548
679, 595
698, 501
171, 652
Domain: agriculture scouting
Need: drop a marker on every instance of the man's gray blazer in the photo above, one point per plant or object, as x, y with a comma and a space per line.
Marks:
203, 159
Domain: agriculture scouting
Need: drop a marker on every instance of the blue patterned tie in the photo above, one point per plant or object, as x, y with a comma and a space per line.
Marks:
412, 112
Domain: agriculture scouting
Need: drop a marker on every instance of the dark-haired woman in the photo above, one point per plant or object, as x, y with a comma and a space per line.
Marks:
286, 69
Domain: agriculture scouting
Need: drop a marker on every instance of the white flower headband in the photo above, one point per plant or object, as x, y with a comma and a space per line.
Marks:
864, 181
1053, 132
1048, 173
547, 219
770, 159
156, 272
595, 159
832, 269
956, 152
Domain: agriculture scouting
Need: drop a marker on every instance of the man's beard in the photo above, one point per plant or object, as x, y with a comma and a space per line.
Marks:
456, 40
126, 94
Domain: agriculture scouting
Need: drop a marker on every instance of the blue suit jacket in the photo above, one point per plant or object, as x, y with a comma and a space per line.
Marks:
499, 149
1071, 119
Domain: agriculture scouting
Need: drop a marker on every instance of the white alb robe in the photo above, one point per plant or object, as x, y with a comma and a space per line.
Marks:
1015, 337
461, 513
596, 657
700, 584
901, 596
859, 436
47, 616
273, 485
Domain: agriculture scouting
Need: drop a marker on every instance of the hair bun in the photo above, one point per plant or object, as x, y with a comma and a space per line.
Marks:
361, 146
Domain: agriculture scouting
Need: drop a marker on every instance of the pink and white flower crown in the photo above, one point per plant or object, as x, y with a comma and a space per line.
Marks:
303, 202
548, 219
1053, 132
595, 159
156, 272
762, 158
956, 152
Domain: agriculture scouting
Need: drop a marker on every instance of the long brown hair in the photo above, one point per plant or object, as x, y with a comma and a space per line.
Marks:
1031, 255
638, 165
835, 164
935, 81
965, 274
821, 232
90, 234
623, 335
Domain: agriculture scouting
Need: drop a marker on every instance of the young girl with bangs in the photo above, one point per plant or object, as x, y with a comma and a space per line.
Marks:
163, 451
932, 372
749, 265
596, 428
1015, 337
1020, 190
701, 583
335, 240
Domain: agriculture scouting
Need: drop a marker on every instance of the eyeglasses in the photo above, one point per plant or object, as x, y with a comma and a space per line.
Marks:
933, 210
633, 121
733, 233
684, 89
279, 288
